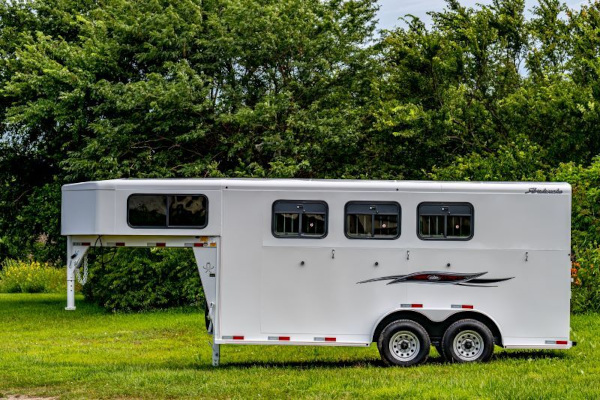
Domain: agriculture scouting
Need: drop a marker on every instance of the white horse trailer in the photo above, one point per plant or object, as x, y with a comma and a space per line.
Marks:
461, 266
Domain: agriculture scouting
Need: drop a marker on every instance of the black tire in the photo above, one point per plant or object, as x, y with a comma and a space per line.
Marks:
474, 342
410, 341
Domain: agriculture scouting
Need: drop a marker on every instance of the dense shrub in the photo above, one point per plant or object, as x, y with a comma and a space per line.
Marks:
585, 233
31, 277
519, 160
585, 220
141, 279
586, 281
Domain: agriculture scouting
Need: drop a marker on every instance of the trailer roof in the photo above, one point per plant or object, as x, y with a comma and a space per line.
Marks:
320, 185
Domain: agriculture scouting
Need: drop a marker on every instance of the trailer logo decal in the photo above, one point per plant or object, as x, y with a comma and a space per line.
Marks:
460, 279
543, 191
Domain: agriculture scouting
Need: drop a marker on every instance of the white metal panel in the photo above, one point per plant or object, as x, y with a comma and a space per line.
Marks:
323, 297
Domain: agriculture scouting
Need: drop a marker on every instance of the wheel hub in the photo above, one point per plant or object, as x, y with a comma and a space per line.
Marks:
468, 345
404, 345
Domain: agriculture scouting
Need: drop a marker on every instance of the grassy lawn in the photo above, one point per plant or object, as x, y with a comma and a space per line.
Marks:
46, 351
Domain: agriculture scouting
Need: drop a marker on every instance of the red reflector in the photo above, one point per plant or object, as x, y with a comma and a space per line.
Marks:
238, 338
284, 338
416, 305
120, 244
562, 342
198, 244
85, 243
161, 244
330, 339
470, 307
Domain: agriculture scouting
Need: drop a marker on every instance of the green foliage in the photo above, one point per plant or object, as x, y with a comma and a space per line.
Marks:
521, 160
585, 220
142, 279
585, 274
585, 233
31, 277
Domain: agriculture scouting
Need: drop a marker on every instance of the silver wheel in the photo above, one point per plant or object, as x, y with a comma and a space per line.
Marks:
468, 345
404, 346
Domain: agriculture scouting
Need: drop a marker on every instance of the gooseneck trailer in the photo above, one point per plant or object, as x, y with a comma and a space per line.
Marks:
460, 266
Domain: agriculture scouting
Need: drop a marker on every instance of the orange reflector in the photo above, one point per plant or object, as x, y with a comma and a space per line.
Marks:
213, 245
204, 238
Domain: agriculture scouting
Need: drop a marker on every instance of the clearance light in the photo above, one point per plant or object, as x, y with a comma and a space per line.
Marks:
413, 305
464, 306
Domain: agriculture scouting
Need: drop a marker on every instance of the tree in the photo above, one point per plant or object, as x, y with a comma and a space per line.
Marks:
174, 89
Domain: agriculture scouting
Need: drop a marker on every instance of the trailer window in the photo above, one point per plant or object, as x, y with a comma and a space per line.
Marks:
445, 221
299, 219
147, 211
167, 211
372, 220
187, 211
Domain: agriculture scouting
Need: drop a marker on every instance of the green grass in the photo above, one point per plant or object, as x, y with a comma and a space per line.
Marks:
46, 351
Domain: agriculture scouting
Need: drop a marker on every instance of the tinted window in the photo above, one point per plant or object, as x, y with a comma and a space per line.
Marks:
147, 211
187, 210
445, 221
372, 220
150, 211
298, 219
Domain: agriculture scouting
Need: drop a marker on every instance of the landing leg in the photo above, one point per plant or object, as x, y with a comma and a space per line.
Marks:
216, 354
75, 255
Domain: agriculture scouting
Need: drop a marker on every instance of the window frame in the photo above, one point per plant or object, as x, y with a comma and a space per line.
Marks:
363, 202
168, 205
300, 234
449, 204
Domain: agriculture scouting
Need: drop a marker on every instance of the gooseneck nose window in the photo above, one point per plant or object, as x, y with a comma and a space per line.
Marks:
154, 211
299, 219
